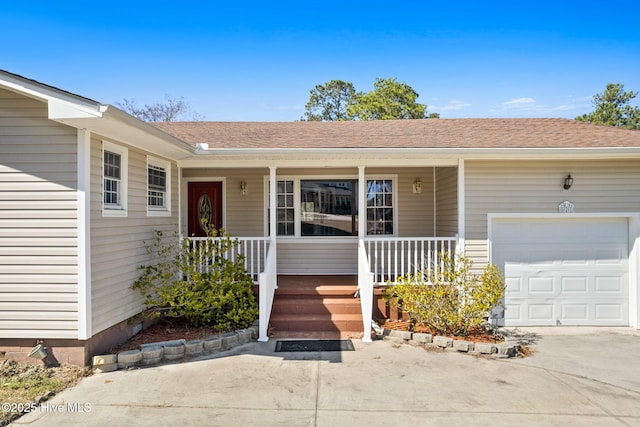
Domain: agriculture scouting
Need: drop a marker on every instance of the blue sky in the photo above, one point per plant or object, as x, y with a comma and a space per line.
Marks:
257, 61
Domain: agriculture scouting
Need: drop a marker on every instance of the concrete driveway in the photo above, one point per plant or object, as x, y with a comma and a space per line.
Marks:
581, 379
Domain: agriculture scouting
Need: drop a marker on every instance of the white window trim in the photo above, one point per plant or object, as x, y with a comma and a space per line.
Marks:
394, 187
121, 210
157, 210
296, 194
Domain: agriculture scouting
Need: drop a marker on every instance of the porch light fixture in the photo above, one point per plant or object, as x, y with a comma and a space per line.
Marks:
417, 186
568, 182
243, 187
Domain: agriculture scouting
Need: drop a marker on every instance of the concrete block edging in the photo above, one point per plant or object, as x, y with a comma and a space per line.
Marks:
503, 350
154, 353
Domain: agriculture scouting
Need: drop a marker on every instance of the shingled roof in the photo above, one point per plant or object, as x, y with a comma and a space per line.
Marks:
428, 133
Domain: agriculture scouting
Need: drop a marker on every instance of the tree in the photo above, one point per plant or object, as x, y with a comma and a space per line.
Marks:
170, 110
329, 102
389, 100
612, 108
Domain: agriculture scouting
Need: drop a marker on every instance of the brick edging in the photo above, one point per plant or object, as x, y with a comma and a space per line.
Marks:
504, 350
156, 352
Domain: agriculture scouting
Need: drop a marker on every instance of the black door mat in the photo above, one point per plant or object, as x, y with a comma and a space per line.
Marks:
314, 345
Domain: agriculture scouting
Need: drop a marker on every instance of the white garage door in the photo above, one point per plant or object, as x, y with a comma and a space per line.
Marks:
572, 271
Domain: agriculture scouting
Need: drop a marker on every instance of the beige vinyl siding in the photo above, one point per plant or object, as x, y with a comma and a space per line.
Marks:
315, 256
415, 211
38, 222
535, 186
446, 202
117, 243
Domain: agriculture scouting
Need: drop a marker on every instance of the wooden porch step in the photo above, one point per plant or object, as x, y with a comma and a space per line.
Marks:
316, 304
317, 322
324, 305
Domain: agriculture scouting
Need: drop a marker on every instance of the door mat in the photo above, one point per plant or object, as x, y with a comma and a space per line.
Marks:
314, 345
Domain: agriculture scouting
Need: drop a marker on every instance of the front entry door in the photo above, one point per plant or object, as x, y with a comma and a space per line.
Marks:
205, 207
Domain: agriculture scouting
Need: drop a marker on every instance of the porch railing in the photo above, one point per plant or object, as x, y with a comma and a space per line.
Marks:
254, 249
391, 257
268, 282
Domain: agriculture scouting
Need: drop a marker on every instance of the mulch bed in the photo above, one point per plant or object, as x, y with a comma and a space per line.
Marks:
166, 329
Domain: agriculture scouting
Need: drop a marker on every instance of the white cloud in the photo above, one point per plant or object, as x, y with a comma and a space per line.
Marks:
519, 103
455, 105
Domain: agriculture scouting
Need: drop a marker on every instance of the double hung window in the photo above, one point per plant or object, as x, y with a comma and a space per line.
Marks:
329, 207
158, 187
114, 179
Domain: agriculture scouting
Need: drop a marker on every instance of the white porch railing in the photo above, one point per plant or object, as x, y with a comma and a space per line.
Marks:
254, 250
391, 257
365, 288
268, 282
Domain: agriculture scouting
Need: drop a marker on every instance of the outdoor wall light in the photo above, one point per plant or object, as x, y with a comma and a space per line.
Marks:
39, 351
243, 187
568, 182
417, 186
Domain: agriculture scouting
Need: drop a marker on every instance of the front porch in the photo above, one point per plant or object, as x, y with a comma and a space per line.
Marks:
331, 305
370, 224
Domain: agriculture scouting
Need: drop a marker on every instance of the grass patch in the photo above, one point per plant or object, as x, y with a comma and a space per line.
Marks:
22, 384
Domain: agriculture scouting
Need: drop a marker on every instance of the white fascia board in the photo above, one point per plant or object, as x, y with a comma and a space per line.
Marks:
120, 127
61, 103
403, 157
66, 110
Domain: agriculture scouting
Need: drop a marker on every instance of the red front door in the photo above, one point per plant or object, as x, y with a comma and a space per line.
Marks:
205, 207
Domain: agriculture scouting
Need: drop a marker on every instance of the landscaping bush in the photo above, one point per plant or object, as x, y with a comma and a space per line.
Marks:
194, 281
451, 300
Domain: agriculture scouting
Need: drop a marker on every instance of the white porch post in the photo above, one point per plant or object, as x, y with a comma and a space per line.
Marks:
365, 285
84, 234
265, 297
461, 214
180, 234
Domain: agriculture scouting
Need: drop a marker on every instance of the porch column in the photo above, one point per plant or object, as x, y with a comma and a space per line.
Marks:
461, 214
180, 234
365, 281
362, 203
273, 197
268, 279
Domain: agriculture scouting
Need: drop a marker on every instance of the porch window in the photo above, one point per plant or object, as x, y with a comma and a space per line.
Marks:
379, 206
328, 208
158, 181
114, 173
285, 213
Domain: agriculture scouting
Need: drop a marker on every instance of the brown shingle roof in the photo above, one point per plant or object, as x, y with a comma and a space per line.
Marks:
428, 133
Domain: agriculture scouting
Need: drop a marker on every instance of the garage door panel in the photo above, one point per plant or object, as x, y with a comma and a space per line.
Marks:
538, 285
567, 271
575, 284
575, 312
609, 312
542, 313
609, 285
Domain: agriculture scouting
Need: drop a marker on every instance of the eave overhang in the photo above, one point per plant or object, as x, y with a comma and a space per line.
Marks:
390, 157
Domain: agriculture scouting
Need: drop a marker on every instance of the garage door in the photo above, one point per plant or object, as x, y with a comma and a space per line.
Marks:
572, 271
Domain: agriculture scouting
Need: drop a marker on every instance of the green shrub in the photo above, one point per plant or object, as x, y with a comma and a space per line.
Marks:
193, 280
452, 300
